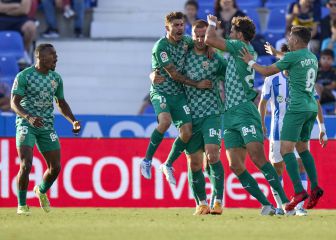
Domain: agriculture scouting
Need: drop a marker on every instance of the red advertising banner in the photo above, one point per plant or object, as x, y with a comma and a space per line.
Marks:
105, 173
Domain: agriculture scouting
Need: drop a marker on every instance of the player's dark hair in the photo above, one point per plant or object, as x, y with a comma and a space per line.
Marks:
170, 17
199, 24
42, 47
302, 32
218, 7
284, 48
328, 52
192, 3
244, 25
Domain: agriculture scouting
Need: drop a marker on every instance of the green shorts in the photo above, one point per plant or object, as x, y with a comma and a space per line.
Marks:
46, 140
297, 126
175, 105
205, 130
242, 125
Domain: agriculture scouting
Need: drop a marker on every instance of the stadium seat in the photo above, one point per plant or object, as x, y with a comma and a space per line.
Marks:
273, 37
11, 44
8, 67
265, 60
328, 108
277, 20
253, 14
203, 11
249, 3
324, 12
278, 3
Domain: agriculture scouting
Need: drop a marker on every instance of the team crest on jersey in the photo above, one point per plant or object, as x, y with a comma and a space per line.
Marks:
280, 99
163, 105
205, 65
53, 84
164, 56
185, 47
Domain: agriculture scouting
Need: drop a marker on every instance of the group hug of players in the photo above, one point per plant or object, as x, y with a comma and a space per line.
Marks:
186, 79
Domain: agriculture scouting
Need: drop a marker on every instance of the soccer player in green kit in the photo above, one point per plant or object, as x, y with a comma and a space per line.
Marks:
242, 123
205, 108
33, 93
167, 97
300, 116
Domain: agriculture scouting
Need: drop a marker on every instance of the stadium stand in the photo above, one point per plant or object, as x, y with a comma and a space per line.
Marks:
11, 44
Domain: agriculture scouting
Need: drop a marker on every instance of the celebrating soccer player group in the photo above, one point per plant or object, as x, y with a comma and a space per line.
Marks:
186, 78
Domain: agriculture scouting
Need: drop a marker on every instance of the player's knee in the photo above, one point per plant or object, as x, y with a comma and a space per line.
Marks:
195, 166
55, 169
212, 157
164, 124
237, 169
185, 135
25, 167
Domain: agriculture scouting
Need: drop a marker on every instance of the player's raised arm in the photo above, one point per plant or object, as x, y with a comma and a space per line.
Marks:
176, 76
264, 70
211, 37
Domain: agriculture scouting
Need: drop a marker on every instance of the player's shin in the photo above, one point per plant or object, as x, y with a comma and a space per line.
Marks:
178, 147
155, 140
273, 179
250, 185
217, 174
309, 164
198, 185
293, 171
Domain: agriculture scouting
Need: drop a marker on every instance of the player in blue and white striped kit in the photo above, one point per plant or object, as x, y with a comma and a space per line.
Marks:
276, 90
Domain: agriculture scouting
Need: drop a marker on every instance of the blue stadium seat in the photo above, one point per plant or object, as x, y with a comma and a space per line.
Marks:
8, 66
277, 20
11, 44
264, 61
203, 12
273, 37
278, 3
328, 108
253, 14
249, 3
324, 12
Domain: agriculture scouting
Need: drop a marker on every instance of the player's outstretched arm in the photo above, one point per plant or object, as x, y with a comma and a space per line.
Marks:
264, 70
18, 109
211, 37
65, 109
176, 76
320, 119
272, 51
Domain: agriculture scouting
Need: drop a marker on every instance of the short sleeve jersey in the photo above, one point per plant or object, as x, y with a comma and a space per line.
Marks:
239, 78
165, 53
204, 102
302, 66
38, 91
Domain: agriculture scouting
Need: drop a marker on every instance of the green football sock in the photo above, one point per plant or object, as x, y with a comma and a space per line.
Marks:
198, 183
155, 140
309, 164
273, 179
250, 185
213, 190
293, 171
217, 173
177, 148
22, 197
192, 186
44, 186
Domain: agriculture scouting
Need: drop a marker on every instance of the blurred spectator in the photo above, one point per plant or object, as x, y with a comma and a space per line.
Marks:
284, 40
190, 11
146, 106
330, 43
4, 98
225, 10
49, 8
326, 78
306, 13
326, 21
14, 17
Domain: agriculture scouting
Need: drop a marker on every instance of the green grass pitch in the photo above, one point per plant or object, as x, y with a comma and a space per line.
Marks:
161, 224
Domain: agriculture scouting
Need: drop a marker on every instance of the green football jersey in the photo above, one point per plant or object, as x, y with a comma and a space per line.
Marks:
38, 91
204, 102
164, 53
302, 66
239, 77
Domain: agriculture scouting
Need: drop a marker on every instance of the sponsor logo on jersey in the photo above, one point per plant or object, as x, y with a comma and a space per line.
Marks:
53, 84
185, 47
280, 99
164, 56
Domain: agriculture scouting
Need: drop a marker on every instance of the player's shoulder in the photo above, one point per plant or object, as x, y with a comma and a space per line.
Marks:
56, 75
162, 42
187, 39
25, 72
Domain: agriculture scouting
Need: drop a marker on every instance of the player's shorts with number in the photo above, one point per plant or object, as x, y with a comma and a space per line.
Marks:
46, 140
242, 125
176, 105
297, 126
206, 130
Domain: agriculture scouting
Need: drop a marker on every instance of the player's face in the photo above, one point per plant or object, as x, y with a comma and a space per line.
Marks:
234, 34
48, 59
292, 40
199, 37
175, 29
332, 6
